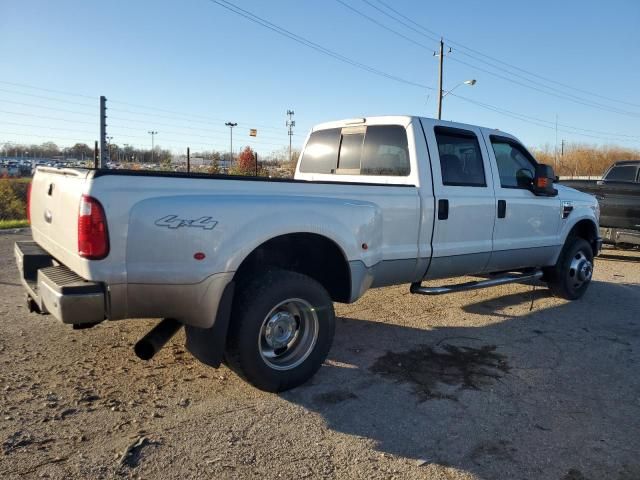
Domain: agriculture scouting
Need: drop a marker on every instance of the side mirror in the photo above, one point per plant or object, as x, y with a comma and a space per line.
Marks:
543, 181
524, 178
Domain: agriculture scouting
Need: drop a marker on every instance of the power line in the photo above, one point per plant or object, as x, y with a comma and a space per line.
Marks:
211, 120
563, 96
206, 119
128, 135
38, 136
47, 108
540, 88
433, 35
308, 43
153, 116
46, 97
544, 123
358, 12
157, 124
60, 92
46, 127
382, 25
254, 18
47, 118
124, 119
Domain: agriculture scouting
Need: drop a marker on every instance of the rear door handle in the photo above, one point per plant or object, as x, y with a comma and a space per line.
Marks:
502, 208
443, 209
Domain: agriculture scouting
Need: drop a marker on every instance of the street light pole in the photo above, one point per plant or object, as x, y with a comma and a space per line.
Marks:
153, 133
231, 125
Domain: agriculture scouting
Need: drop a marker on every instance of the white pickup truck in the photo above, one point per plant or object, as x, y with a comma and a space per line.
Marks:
251, 266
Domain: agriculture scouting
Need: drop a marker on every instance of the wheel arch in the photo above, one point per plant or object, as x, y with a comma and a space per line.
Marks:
586, 229
312, 254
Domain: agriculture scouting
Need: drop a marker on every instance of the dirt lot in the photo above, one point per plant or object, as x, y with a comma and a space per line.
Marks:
485, 384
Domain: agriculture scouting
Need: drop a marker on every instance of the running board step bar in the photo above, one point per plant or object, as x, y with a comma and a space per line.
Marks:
417, 287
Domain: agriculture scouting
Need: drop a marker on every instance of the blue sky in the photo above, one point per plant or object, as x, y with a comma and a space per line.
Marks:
209, 65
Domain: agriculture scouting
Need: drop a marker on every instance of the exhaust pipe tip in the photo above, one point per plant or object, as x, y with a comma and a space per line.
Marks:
156, 338
144, 350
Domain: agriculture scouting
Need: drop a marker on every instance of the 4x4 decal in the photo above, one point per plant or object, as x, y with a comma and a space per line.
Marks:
172, 221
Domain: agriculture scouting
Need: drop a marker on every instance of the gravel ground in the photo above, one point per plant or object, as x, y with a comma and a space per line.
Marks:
501, 383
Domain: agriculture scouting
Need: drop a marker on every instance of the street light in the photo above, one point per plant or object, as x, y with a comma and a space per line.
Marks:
231, 125
153, 133
471, 83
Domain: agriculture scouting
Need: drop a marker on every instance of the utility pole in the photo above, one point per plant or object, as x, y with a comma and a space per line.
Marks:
231, 125
96, 161
441, 61
290, 124
103, 131
562, 148
188, 159
153, 133
256, 155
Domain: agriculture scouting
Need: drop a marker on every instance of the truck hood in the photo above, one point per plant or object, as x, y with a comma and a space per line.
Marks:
571, 194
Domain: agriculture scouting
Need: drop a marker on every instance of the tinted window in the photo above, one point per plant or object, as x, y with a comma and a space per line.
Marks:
515, 166
460, 158
321, 153
622, 173
350, 153
385, 151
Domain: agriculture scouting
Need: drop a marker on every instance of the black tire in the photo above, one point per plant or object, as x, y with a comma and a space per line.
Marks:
266, 308
571, 276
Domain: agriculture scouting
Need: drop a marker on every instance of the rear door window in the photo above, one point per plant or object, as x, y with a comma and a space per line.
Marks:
460, 158
622, 173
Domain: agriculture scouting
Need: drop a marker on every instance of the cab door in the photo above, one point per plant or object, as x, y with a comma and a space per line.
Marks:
464, 200
526, 232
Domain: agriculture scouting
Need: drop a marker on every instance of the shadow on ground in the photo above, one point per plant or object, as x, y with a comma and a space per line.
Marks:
621, 258
551, 394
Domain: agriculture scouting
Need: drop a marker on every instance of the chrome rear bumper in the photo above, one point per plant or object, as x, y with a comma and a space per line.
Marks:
55, 289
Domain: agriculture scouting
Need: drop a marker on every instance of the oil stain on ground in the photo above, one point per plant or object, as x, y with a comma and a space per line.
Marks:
440, 372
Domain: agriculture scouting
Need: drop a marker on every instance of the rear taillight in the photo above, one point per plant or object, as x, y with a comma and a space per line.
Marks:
29, 202
93, 237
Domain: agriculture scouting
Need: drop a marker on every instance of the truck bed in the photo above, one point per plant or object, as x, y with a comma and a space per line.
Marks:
619, 201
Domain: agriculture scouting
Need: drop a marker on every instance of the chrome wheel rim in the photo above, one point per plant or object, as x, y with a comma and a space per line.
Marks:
580, 270
288, 334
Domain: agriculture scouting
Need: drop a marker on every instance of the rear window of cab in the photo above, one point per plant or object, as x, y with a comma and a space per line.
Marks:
371, 150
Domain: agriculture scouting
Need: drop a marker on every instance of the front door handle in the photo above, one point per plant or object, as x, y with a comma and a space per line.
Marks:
502, 208
443, 209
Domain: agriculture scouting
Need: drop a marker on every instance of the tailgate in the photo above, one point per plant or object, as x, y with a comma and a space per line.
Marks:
55, 198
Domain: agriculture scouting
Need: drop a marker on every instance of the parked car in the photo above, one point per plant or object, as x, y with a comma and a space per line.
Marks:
251, 266
618, 193
10, 169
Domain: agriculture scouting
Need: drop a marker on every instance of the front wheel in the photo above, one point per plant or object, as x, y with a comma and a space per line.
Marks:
281, 330
571, 275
